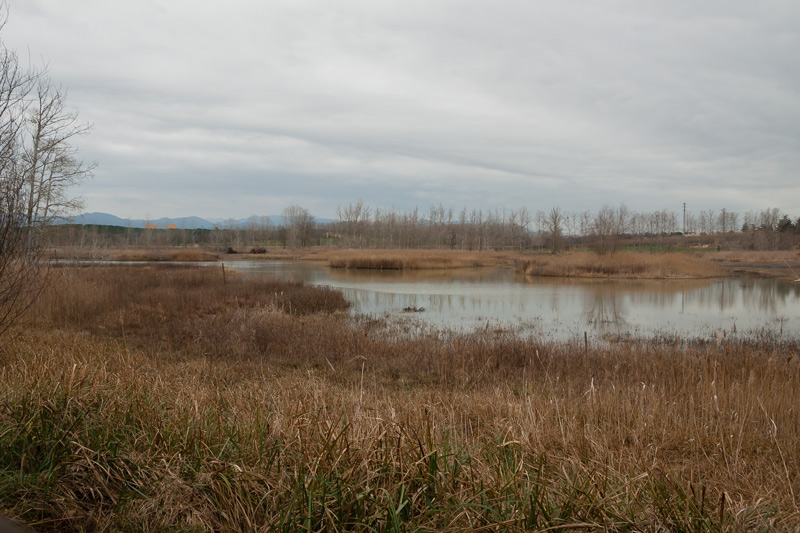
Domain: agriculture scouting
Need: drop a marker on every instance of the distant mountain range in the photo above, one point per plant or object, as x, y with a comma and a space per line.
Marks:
105, 219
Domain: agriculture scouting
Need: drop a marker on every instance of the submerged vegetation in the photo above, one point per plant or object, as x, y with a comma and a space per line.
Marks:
173, 398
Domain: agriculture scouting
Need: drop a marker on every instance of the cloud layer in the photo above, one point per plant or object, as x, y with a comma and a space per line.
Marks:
244, 107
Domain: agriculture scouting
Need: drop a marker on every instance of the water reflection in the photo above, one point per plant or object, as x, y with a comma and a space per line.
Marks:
555, 307
605, 311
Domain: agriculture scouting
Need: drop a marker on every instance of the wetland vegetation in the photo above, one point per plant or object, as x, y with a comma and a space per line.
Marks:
166, 397
170, 397
621, 265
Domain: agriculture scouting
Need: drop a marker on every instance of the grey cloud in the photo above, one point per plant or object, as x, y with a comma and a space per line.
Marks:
247, 107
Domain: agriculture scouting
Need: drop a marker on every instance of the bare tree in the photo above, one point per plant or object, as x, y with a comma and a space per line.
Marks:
299, 224
608, 227
51, 162
351, 219
555, 228
768, 227
38, 165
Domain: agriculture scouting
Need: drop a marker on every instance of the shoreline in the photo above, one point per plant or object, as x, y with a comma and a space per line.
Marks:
782, 265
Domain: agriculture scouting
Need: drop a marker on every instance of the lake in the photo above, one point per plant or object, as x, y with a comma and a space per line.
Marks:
556, 308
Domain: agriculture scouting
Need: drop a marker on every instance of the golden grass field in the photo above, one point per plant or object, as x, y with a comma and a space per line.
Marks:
165, 398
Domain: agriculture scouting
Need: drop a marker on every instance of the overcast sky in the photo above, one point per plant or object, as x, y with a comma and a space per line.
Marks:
242, 107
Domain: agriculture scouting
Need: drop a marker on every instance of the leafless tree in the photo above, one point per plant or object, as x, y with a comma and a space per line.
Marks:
768, 219
555, 228
691, 224
768, 227
51, 162
299, 225
351, 217
38, 165
585, 223
608, 227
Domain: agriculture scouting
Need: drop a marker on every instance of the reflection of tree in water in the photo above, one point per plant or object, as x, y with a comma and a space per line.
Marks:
765, 299
764, 296
660, 294
720, 295
604, 311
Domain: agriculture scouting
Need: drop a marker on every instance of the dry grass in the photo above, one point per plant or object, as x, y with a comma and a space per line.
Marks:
162, 398
777, 264
755, 256
620, 265
176, 253
414, 259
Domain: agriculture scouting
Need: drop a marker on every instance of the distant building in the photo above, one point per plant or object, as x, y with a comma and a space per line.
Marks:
150, 226
170, 226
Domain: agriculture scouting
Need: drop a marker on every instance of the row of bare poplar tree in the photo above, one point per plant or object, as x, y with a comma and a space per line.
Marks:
360, 226
605, 229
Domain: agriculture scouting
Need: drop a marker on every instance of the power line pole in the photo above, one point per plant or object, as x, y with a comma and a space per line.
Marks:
684, 218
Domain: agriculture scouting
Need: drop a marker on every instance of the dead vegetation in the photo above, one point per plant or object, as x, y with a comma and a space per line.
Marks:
415, 259
156, 253
772, 264
155, 398
635, 265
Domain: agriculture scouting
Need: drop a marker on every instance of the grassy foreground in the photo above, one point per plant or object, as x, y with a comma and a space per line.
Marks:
163, 398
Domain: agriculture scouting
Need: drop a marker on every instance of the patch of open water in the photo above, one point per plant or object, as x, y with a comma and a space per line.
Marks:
557, 308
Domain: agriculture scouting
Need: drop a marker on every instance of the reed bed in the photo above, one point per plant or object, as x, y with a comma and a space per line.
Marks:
756, 256
167, 398
164, 254
161, 253
415, 259
620, 265
775, 264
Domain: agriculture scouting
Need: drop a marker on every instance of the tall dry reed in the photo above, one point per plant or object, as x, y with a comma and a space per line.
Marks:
168, 399
414, 259
117, 253
620, 265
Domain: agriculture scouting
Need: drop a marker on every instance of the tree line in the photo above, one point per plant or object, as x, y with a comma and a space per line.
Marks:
605, 230
359, 226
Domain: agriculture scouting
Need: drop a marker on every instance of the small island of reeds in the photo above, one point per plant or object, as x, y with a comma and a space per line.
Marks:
638, 265
635, 265
402, 259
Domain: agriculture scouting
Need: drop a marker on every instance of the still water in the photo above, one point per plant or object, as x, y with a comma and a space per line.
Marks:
558, 308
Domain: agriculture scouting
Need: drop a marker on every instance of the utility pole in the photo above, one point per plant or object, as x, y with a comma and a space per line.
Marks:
684, 218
